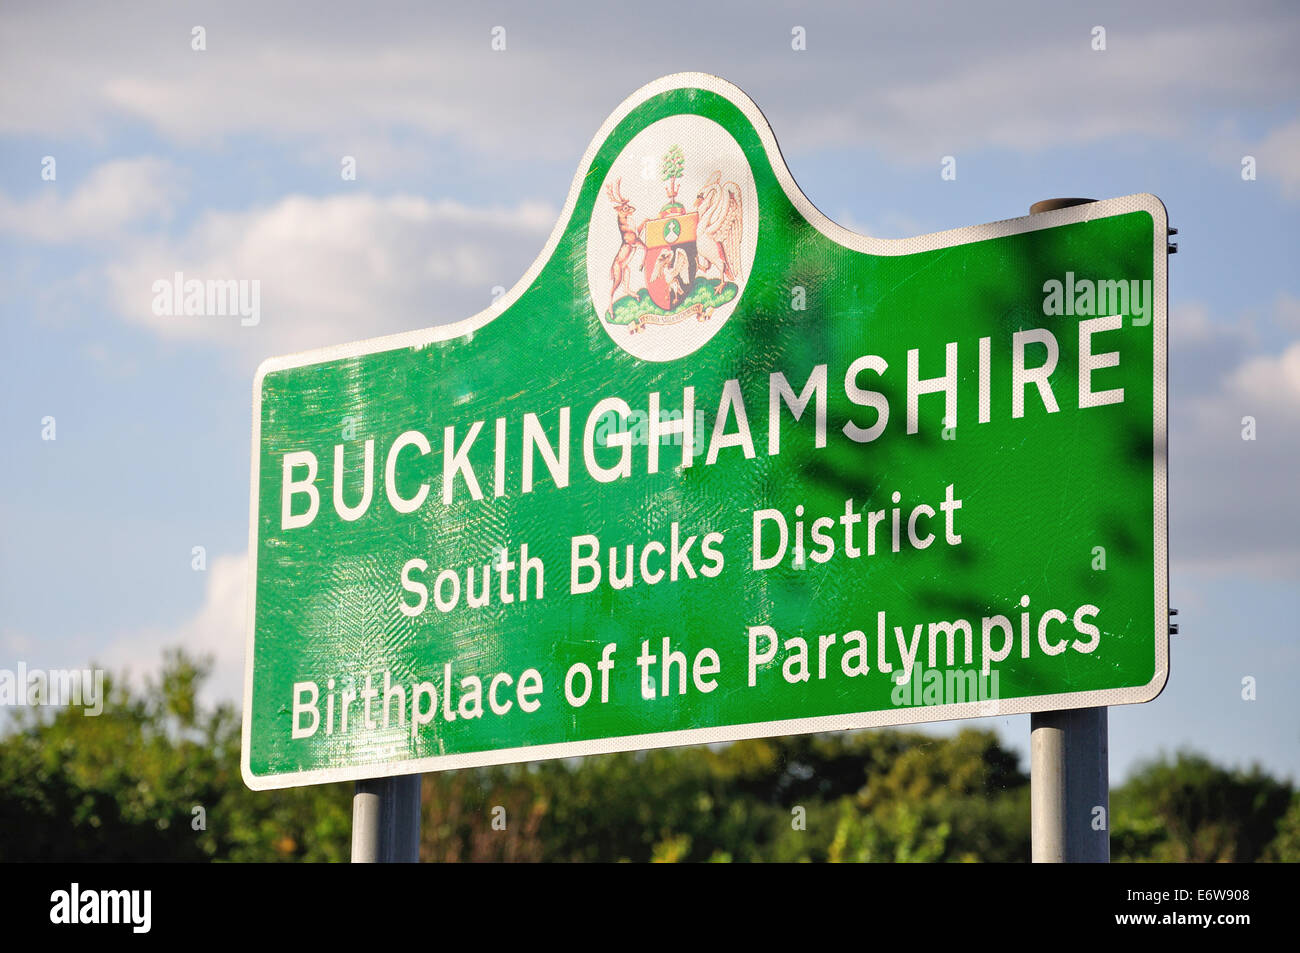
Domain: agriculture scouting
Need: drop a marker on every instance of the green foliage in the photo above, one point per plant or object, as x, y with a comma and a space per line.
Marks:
125, 786
738, 803
1285, 848
630, 307
898, 834
1192, 810
674, 164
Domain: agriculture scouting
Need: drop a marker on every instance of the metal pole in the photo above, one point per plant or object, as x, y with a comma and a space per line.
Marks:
1069, 753
1070, 786
386, 821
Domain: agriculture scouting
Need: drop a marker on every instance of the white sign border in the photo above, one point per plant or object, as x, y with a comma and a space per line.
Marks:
854, 242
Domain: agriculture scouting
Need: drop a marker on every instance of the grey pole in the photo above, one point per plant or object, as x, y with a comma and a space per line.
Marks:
386, 820
1069, 753
1070, 786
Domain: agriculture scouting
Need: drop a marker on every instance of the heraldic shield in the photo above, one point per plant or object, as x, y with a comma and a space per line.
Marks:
670, 257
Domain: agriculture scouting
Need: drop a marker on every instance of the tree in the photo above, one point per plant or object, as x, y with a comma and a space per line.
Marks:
156, 777
1286, 846
1193, 810
674, 165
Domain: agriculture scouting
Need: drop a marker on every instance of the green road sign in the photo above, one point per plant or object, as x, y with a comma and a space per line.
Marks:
716, 468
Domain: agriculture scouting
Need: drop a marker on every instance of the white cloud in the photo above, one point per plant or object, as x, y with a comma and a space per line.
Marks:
885, 224
1233, 502
1271, 381
1286, 312
216, 629
287, 72
113, 196
1278, 157
983, 75
1162, 78
337, 268
1190, 324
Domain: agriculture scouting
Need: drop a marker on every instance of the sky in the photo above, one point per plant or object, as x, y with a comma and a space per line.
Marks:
226, 160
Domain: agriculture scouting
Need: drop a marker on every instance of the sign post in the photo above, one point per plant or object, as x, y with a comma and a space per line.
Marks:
386, 820
716, 468
1070, 786
1069, 755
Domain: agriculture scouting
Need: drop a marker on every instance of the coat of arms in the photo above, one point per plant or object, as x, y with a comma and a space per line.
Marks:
681, 263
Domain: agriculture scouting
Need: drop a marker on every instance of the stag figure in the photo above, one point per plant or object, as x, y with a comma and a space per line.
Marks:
621, 270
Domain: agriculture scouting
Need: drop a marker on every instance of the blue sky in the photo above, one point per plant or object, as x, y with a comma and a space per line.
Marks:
227, 161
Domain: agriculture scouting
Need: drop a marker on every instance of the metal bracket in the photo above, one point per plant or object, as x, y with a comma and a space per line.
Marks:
1173, 626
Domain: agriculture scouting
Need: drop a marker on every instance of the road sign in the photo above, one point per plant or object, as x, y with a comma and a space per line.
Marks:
716, 468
